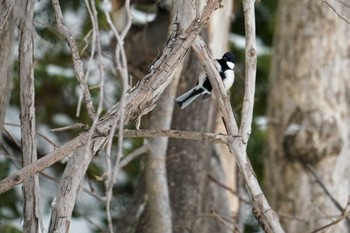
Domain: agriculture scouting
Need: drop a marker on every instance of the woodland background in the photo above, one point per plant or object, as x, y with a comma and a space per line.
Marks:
298, 145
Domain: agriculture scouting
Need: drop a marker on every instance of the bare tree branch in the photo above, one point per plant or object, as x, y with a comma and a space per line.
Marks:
345, 214
139, 151
265, 215
69, 188
122, 68
250, 70
326, 191
189, 135
69, 127
233, 192
78, 64
55, 180
23, 174
138, 101
70, 185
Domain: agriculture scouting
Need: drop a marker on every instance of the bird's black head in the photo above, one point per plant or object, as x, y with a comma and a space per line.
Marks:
229, 57
227, 61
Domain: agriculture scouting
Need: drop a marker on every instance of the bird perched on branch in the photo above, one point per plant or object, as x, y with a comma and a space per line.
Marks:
225, 67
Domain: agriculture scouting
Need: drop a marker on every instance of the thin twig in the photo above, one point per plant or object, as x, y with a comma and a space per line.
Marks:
53, 179
235, 193
78, 64
133, 155
38, 134
224, 220
121, 61
69, 127
214, 214
335, 11
325, 189
343, 215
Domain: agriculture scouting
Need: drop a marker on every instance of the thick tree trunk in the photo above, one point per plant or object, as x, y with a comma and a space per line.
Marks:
309, 117
158, 207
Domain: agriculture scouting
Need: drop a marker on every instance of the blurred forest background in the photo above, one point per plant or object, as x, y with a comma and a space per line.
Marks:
308, 53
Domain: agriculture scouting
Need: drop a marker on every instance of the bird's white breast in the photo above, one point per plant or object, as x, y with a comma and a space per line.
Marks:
230, 78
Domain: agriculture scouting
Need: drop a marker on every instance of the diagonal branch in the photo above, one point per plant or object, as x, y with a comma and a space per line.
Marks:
336, 12
326, 191
261, 208
344, 214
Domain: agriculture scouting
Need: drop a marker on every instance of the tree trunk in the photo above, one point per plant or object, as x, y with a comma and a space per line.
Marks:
195, 200
309, 117
159, 212
188, 161
28, 130
6, 38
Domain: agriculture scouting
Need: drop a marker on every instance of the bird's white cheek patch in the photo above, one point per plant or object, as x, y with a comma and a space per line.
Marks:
231, 65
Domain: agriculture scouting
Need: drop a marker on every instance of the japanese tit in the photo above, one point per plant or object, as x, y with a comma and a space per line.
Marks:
225, 67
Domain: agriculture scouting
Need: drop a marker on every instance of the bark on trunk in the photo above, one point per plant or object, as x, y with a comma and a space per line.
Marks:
159, 212
309, 117
188, 161
6, 38
26, 72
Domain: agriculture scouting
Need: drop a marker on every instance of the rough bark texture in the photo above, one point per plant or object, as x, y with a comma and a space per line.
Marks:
26, 72
6, 38
69, 189
158, 206
309, 116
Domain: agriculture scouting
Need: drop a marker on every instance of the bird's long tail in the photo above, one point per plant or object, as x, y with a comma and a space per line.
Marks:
185, 99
